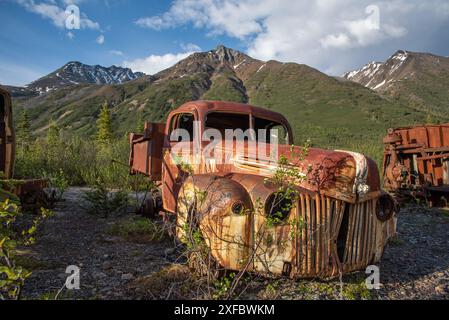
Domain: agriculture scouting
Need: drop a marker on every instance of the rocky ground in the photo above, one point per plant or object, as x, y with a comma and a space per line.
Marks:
112, 266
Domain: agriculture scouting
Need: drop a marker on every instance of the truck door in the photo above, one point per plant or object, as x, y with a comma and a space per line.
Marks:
179, 141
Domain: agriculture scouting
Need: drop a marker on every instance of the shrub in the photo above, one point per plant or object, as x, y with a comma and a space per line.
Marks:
12, 275
100, 201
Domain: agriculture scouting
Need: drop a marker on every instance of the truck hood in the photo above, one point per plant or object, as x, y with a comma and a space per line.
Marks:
343, 175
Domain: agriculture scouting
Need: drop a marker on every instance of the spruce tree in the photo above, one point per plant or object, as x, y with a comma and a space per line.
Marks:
140, 122
53, 133
104, 125
24, 135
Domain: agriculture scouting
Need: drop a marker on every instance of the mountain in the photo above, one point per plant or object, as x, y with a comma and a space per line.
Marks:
332, 112
75, 73
20, 92
420, 80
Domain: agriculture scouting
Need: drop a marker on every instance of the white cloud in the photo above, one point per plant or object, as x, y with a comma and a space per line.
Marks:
116, 52
190, 47
155, 63
332, 35
71, 35
100, 39
56, 13
338, 41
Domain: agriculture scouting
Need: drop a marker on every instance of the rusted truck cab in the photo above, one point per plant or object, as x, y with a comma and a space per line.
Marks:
340, 220
7, 138
416, 162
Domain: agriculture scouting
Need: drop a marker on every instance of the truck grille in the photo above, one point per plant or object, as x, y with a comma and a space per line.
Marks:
335, 236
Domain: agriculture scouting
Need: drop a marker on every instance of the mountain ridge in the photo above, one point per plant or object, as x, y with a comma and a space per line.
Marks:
420, 80
75, 73
332, 112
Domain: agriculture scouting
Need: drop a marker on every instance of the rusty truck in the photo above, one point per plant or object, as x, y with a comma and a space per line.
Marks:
416, 162
341, 217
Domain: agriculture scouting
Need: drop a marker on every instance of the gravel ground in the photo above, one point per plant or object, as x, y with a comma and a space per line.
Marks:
415, 265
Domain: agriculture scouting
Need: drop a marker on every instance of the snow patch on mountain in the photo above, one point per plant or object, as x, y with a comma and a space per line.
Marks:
376, 75
74, 73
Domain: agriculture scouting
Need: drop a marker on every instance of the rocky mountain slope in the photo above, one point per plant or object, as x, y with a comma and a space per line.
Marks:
75, 73
420, 80
333, 113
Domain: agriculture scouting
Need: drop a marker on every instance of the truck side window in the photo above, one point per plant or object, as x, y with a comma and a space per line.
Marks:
183, 121
273, 130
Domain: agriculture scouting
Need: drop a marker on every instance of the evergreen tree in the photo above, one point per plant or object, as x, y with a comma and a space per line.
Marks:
24, 135
140, 122
53, 133
104, 125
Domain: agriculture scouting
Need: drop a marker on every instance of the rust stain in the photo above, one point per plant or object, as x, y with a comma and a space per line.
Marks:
7, 136
416, 160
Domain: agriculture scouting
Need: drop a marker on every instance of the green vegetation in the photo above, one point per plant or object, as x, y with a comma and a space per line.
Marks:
102, 202
104, 126
12, 274
356, 291
138, 229
226, 87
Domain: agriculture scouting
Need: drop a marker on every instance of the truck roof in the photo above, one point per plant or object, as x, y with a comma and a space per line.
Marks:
204, 106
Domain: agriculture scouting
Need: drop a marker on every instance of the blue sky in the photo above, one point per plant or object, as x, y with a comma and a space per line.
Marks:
333, 36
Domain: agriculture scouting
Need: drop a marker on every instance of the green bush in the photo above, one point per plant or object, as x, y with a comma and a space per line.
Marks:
12, 275
102, 202
75, 161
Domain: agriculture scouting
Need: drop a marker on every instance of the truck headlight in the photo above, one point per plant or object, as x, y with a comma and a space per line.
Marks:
385, 207
278, 207
238, 208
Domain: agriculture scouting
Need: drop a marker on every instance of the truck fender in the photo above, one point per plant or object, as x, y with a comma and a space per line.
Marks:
222, 210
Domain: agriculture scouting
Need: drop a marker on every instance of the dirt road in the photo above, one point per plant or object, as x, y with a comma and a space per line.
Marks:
415, 266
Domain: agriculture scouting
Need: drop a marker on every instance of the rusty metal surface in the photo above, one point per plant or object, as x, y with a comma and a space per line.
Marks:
339, 218
146, 151
7, 136
417, 159
31, 193
321, 237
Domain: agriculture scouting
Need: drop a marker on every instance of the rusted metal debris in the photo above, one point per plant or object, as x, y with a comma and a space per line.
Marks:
342, 219
31, 191
7, 137
416, 162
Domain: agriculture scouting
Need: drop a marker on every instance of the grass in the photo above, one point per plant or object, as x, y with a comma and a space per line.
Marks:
396, 242
32, 264
141, 230
356, 291
157, 285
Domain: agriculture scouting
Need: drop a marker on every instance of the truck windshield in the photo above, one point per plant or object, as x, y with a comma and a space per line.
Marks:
222, 121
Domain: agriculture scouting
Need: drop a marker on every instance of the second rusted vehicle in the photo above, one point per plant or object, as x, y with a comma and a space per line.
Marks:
7, 136
30, 191
416, 162
340, 221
